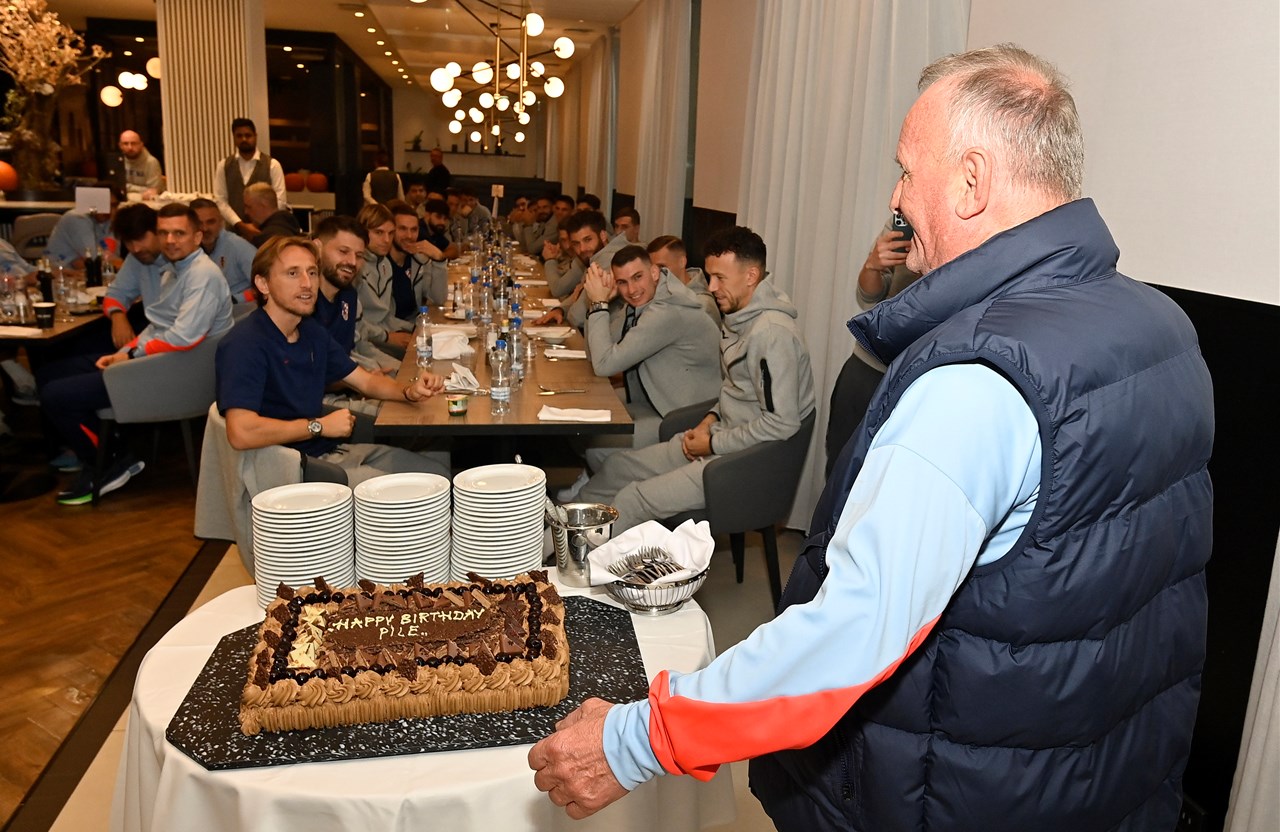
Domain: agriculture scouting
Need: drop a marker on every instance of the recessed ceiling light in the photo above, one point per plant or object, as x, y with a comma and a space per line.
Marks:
381, 42
359, 14
140, 40
363, 94
371, 30
288, 48
393, 63
128, 54
388, 54
302, 66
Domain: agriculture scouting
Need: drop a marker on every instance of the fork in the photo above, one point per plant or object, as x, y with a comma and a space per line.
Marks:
547, 391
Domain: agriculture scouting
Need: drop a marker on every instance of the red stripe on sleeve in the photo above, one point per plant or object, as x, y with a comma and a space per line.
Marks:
156, 346
692, 737
109, 304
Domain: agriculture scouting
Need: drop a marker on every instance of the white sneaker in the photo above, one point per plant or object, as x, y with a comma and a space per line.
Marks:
24, 384
568, 495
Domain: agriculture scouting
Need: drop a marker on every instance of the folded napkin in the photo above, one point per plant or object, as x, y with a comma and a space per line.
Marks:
461, 380
448, 344
21, 331
469, 330
566, 354
525, 273
572, 414
690, 544
533, 283
550, 303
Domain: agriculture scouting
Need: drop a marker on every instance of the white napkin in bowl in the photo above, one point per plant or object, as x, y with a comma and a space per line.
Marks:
690, 544
448, 344
461, 380
572, 414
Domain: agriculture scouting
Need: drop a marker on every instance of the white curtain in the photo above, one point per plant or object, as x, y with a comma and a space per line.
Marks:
563, 119
826, 99
662, 96
595, 136
1255, 802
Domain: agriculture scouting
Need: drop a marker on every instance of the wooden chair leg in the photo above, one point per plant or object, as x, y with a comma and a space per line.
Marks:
738, 544
105, 430
193, 465
771, 561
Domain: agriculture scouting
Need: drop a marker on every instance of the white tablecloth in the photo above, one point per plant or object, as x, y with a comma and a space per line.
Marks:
160, 788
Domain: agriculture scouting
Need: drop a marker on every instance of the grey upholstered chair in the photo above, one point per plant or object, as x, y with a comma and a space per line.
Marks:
31, 233
749, 490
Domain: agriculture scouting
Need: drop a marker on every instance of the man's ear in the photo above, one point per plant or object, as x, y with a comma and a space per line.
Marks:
976, 168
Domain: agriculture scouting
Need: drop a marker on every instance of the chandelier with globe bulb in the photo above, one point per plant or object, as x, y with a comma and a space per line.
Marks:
501, 92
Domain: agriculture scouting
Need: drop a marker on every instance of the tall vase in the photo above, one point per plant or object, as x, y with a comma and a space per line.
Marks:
35, 153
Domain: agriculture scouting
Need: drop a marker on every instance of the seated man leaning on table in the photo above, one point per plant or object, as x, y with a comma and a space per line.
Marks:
78, 232
401, 272
588, 231
231, 253
186, 300
262, 208
662, 343
274, 366
766, 394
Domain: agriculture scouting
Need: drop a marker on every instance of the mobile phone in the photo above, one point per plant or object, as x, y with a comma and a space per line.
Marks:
899, 223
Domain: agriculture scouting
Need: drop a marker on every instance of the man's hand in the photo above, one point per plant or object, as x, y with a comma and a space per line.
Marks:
570, 764
550, 251
889, 251
111, 358
247, 230
403, 340
599, 285
696, 442
150, 193
337, 424
552, 318
121, 330
425, 385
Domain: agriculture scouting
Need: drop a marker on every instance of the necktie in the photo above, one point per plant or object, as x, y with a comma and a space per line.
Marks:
629, 322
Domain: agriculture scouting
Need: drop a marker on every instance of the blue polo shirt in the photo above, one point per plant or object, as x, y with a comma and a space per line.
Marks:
402, 297
338, 316
259, 370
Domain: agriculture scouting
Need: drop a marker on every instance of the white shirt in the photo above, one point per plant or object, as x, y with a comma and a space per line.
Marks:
246, 170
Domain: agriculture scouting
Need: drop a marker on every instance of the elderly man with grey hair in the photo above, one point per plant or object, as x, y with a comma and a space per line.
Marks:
262, 207
998, 620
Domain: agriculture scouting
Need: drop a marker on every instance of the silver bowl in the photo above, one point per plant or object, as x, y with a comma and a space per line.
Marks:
651, 599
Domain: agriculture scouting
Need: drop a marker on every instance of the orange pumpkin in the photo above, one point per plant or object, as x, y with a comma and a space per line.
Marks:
8, 177
317, 183
293, 181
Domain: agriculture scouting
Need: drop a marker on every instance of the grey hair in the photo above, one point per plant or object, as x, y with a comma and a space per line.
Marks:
262, 192
1006, 98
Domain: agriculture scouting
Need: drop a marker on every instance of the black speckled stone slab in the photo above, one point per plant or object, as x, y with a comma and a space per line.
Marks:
604, 661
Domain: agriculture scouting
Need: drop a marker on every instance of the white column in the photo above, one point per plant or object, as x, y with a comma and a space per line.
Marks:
213, 59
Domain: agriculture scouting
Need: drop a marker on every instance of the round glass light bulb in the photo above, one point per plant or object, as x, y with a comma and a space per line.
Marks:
455, 127
111, 96
529, 97
513, 71
537, 68
153, 68
475, 135
139, 81
486, 100
455, 69
459, 115
481, 72
476, 115
563, 47
125, 79
519, 136
452, 97
534, 24
523, 118
503, 103
441, 80
495, 130
554, 87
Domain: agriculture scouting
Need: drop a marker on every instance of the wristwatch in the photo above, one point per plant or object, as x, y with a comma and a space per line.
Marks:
599, 306
314, 427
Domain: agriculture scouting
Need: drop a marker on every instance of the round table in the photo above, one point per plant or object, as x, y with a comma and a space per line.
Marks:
160, 788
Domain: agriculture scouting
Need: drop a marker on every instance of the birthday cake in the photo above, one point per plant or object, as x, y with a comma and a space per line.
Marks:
374, 653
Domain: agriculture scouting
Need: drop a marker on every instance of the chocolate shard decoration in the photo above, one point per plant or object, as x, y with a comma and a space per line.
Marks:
322, 585
281, 613
367, 585
271, 638
481, 598
550, 596
484, 660
538, 575
479, 579
453, 599
284, 592
407, 668
549, 644
418, 581
549, 617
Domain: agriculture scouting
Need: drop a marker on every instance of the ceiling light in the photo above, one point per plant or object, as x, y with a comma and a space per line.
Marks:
459, 115
126, 79
372, 30
128, 54
475, 135
302, 66
153, 68
288, 49
523, 118
482, 73
396, 63
452, 97
495, 129
537, 68
455, 127
503, 103
554, 87
486, 100
381, 42
563, 47
454, 68
513, 71
359, 14
441, 80
528, 98
111, 96
364, 94
519, 136
533, 24
476, 115
388, 54
140, 40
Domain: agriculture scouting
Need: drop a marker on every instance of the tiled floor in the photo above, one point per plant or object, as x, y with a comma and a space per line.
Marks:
735, 610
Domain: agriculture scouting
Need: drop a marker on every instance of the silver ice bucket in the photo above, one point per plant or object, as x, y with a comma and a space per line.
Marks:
576, 529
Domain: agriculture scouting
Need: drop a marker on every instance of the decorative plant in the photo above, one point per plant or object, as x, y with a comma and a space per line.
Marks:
44, 56
416, 142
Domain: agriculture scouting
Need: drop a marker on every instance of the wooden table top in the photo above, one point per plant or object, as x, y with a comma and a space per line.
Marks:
60, 329
431, 417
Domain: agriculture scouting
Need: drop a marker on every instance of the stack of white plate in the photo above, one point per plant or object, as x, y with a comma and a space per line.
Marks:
402, 528
302, 532
497, 520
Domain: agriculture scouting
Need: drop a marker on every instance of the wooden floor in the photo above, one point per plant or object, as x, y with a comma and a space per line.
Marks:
80, 584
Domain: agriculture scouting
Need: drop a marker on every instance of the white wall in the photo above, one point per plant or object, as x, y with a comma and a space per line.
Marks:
724, 70
1180, 104
412, 110
631, 46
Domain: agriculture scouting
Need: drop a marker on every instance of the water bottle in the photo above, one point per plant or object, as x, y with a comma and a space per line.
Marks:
422, 337
108, 271
486, 304
517, 347
473, 290
500, 379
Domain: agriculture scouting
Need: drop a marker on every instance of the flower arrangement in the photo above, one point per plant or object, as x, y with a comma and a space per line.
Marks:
44, 56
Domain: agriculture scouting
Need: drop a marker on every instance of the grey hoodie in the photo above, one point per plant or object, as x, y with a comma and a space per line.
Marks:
673, 344
377, 318
768, 384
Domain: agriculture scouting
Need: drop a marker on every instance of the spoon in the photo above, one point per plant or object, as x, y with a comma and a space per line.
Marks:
547, 391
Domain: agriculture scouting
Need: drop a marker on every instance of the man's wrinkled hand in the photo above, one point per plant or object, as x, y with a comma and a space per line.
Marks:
570, 765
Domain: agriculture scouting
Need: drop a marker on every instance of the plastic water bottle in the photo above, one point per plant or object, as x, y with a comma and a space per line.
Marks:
486, 304
472, 291
500, 380
422, 337
517, 347
108, 271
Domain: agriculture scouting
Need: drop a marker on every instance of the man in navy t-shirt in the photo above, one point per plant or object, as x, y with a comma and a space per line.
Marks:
274, 366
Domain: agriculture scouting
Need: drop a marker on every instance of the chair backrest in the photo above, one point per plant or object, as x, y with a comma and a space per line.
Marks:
164, 387
850, 396
31, 233
755, 487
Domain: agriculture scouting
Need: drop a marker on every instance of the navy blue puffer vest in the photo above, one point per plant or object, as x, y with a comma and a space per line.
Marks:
1059, 689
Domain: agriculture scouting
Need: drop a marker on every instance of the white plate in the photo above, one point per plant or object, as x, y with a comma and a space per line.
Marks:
301, 497
401, 488
500, 479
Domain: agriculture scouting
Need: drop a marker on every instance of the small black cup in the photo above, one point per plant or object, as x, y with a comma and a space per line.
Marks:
44, 315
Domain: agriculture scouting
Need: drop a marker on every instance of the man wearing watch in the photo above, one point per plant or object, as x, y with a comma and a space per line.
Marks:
186, 300
274, 366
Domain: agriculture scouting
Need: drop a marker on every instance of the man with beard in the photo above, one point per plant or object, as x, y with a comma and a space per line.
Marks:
186, 300
244, 167
396, 282
533, 225
590, 237
466, 215
273, 369
229, 252
139, 171
340, 244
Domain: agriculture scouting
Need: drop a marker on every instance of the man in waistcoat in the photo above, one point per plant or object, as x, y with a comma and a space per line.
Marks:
998, 621
382, 184
241, 169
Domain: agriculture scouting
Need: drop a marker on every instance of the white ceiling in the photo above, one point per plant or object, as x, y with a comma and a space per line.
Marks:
422, 36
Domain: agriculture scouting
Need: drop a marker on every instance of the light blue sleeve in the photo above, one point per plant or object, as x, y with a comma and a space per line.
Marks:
72, 234
954, 468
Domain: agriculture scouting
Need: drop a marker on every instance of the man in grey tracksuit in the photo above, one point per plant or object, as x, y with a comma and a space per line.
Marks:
766, 393
663, 344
